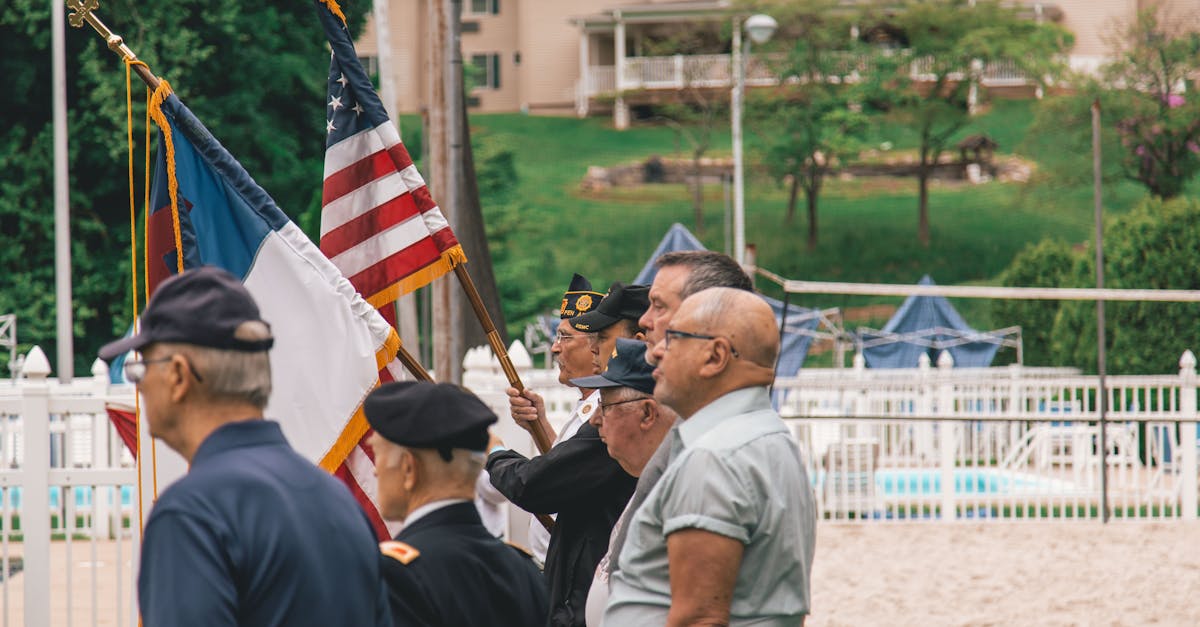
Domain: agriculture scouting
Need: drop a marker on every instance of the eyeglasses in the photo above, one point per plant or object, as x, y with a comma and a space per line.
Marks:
135, 369
567, 337
604, 406
676, 334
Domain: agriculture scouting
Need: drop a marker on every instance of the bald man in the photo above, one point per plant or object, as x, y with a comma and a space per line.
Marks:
727, 535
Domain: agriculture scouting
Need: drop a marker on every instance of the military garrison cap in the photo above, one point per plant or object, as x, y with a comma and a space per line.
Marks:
579, 299
623, 302
421, 414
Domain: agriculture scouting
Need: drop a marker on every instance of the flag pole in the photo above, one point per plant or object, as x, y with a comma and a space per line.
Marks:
540, 437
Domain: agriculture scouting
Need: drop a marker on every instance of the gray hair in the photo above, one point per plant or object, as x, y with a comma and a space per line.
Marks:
230, 375
706, 269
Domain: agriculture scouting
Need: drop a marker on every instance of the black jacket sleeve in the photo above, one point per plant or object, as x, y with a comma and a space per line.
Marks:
555, 481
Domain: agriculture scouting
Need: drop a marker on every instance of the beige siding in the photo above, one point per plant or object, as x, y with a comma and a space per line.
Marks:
1096, 22
497, 34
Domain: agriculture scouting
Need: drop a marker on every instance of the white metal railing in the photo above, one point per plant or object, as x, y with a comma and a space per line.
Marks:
1015, 442
69, 532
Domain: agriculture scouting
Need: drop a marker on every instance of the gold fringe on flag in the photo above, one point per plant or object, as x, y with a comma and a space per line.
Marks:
449, 259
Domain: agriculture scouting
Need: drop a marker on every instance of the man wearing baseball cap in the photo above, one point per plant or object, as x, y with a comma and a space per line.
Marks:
632, 424
253, 534
444, 568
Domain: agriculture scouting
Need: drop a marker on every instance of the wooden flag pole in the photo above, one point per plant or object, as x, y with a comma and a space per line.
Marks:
540, 438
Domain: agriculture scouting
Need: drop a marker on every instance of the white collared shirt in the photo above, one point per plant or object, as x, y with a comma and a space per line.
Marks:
429, 508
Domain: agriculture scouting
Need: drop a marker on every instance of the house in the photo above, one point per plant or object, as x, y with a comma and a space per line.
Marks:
579, 57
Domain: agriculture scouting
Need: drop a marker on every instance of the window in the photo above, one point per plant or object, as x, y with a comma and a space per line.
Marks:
487, 68
370, 64
483, 7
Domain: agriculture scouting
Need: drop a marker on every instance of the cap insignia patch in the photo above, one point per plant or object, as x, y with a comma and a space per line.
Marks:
584, 303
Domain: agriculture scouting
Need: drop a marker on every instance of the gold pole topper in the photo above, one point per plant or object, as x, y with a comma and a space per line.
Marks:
85, 11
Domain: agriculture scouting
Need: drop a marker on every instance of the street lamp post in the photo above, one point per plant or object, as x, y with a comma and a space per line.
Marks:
759, 29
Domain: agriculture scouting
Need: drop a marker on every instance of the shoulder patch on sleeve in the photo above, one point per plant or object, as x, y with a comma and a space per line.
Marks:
399, 551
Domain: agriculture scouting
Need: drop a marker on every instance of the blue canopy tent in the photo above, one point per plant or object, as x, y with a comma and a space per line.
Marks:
801, 323
930, 324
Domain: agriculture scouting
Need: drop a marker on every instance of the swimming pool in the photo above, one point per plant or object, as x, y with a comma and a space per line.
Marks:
927, 481
83, 496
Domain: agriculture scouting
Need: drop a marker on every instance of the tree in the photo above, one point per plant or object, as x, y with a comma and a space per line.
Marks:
811, 124
699, 110
944, 47
1146, 92
253, 72
1151, 247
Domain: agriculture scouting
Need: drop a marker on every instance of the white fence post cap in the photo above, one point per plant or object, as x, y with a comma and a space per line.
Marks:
923, 361
945, 360
860, 362
519, 355
100, 369
1188, 360
36, 365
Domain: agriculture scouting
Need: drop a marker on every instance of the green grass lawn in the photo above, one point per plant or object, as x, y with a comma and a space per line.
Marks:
867, 226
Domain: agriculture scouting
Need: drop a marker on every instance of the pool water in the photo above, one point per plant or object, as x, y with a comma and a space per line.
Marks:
83, 496
926, 481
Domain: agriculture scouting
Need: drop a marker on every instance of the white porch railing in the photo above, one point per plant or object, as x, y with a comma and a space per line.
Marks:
715, 70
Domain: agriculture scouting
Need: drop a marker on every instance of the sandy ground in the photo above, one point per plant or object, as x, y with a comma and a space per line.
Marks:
1073, 573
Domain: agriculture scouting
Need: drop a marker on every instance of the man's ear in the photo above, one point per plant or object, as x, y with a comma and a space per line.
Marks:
178, 377
717, 361
650, 417
408, 463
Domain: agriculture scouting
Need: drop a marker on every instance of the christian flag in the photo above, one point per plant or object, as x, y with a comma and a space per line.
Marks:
379, 225
330, 343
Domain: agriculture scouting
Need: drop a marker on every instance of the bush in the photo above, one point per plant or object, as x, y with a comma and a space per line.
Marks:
1153, 247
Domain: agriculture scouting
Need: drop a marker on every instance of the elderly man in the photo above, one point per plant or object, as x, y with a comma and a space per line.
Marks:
253, 534
632, 425
576, 478
727, 535
680, 274
444, 567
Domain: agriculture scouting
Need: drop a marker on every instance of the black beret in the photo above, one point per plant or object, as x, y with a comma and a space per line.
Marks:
421, 414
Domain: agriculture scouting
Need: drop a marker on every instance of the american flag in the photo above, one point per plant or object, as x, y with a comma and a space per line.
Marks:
379, 225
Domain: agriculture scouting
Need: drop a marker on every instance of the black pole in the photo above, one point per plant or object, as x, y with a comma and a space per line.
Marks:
1100, 339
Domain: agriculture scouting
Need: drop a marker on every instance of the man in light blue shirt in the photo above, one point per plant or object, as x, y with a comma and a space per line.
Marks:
727, 534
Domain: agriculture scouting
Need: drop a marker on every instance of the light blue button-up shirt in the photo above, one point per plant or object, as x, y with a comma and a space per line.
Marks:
735, 471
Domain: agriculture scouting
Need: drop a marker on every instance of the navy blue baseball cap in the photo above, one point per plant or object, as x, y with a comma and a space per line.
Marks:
205, 306
627, 368
422, 414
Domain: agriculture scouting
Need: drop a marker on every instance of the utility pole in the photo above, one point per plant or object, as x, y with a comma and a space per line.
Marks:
445, 144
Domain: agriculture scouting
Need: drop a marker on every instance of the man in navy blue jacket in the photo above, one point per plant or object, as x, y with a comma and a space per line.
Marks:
254, 534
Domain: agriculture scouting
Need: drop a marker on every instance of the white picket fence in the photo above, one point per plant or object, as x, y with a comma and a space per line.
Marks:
932, 443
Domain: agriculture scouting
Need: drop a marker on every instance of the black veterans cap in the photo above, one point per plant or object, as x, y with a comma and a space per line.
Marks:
627, 368
579, 299
205, 306
623, 302
422, 414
